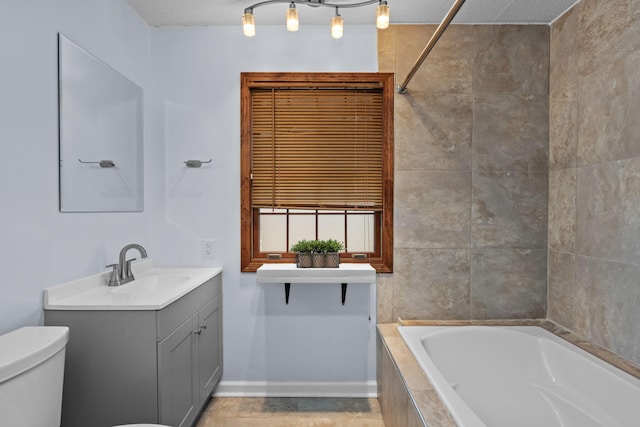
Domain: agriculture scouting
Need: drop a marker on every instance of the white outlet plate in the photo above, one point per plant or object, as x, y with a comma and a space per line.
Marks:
208, 249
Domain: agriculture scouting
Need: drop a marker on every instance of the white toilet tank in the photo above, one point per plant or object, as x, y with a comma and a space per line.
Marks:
31, 372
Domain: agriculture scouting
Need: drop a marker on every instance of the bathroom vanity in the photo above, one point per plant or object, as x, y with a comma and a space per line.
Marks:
149, 351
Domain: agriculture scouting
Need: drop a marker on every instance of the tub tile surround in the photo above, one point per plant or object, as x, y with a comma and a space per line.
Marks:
435, 280
471, 171
449, 69
446, 226
404, 387
509, 210
436, 132
575, 199
562, 210
514, 278
511, 59
594, 179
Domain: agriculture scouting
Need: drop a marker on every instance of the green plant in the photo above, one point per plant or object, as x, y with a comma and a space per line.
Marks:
303, 246
333, 245
318, 246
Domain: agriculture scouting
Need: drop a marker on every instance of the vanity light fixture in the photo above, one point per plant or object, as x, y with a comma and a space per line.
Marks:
337, 23
382, 15
337, 26
292, 17
248, 24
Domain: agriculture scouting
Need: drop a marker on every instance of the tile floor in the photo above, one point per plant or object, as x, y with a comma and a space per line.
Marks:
291, 412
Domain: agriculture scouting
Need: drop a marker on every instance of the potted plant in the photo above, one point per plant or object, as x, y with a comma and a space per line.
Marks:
317, 253
332, 256
303, 250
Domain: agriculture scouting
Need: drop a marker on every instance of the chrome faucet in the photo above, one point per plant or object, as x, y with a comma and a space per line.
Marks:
122, 271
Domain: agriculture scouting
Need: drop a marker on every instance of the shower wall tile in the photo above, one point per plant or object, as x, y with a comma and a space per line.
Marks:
432, 283
607, 301
384, 297
449, 66
511, 59
386, 50
471, 162
595, 166
563, 89
608, 122
433, 132
562, 210
510, 132
608, 32
562, 289
509, 210
563, 58
608, 213
563, 132
432, 209
508, 283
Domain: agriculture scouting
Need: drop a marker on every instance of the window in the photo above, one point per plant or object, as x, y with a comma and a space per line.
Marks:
317, 163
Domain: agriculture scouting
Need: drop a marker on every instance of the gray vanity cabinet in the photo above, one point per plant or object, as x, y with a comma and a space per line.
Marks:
189, 365
142, 366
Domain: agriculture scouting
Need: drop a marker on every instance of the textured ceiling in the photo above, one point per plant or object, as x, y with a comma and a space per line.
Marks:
229, 12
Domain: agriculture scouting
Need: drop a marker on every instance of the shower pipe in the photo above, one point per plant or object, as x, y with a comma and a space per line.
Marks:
402, 89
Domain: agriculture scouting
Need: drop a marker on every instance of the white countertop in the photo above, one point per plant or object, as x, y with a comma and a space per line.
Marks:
153, 289
289, 273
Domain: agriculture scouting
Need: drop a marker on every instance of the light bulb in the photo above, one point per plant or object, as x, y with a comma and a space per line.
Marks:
292, 17
382, 15
248, 24
337, 27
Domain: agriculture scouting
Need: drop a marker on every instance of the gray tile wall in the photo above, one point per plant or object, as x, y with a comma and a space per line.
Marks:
471, 161
594, 178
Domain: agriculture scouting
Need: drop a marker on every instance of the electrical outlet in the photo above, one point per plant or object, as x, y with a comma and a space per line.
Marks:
208, 249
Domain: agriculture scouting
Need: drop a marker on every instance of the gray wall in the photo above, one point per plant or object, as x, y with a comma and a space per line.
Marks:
594, 178
471, 179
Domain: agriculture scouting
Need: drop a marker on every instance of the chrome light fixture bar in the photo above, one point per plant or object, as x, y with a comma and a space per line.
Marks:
337, 23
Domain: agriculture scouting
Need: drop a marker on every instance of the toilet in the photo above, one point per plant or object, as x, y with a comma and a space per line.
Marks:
31, 375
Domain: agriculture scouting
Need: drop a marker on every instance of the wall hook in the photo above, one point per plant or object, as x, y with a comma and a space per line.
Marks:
102, 163
196, 163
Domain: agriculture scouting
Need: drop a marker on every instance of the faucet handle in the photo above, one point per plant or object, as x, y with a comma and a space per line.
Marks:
128, 268
114, 280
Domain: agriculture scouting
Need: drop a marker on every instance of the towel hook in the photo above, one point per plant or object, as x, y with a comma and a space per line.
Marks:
102, 163
196, 163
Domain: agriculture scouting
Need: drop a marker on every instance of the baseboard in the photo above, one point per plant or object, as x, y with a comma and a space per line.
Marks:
296, 389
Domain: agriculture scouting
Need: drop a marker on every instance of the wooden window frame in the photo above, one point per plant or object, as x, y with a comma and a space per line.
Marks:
383, 261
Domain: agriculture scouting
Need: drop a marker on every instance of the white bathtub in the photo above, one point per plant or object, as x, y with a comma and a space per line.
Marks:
520, 376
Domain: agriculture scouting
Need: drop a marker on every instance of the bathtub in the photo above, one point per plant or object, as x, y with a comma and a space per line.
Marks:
508, 376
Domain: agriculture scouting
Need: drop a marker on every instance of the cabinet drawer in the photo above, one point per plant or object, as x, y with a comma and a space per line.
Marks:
175, 314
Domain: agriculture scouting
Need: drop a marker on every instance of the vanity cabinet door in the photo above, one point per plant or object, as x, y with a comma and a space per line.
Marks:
210, 347
178, 388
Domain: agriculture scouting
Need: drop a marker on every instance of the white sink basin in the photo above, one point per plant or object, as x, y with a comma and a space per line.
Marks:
153, 289
150, 284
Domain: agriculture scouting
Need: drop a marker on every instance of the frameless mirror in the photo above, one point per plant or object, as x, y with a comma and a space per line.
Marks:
100, 113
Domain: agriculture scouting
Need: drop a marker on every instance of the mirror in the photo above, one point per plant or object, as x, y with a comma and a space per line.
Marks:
101, 134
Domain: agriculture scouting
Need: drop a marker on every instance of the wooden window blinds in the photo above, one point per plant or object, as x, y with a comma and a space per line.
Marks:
318, 148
